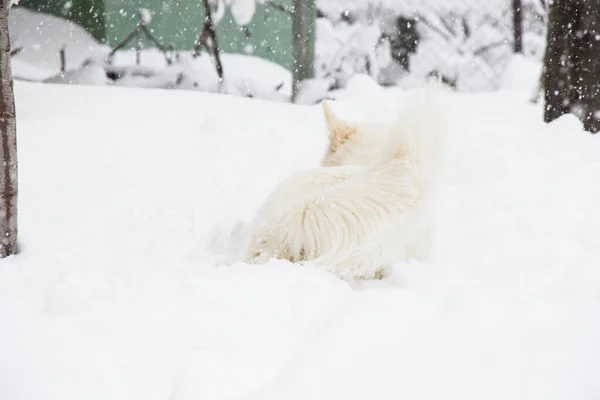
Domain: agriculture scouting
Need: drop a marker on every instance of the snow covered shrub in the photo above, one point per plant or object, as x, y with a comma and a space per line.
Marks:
467, 42
471, 47
345, 50
351, 44
535, 16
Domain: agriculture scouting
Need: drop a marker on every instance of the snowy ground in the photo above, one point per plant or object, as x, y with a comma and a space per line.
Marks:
127, 286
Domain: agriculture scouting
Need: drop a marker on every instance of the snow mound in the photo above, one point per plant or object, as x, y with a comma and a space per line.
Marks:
41, 36
92, 74
26, 71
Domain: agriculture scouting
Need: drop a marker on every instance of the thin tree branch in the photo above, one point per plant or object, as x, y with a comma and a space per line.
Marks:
279, 7
490, 46
445, 35
208, 40
138, 52
140, 28
127, 39
154, 40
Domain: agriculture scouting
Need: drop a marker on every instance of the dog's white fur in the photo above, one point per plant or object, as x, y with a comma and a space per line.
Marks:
368, 206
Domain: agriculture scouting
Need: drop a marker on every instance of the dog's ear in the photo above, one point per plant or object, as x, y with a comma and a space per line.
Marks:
339, 130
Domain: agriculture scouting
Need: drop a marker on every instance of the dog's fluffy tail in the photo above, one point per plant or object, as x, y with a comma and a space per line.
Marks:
420, 134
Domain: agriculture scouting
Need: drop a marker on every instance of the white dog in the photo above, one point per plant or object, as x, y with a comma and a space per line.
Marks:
368, 206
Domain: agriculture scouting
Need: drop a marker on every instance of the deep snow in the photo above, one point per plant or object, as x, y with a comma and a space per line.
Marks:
133, 203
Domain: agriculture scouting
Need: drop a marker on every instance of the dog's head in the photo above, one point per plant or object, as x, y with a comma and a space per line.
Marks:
353, 143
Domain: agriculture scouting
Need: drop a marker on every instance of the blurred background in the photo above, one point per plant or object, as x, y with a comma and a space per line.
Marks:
283, 50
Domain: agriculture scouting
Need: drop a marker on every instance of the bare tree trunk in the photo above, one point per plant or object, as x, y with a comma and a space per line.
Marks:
8, 143
556, 79
303, 41
571, 76
585, 98
517, 26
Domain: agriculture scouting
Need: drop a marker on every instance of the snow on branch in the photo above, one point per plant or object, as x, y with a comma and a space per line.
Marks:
241, 10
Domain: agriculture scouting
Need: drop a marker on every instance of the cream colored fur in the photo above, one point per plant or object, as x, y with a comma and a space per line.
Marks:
369, 205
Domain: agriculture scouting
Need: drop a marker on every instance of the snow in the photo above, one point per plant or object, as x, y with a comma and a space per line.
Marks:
134, 205
344, 51
311, 91
333, 8
244, 75
145, 16
89, 74
41, 36
521, 74
27, 71
468, 41
242, 11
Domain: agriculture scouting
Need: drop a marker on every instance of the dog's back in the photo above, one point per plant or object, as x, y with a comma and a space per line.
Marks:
279, 222
356, 220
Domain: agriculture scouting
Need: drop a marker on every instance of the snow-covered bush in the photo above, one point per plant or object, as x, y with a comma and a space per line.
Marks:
535, 17
345, 50
468, 42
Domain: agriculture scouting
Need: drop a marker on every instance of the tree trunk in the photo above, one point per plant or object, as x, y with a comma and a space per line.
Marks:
585, 37
8, 143
517, 26
571, 74
303, 41
556, 70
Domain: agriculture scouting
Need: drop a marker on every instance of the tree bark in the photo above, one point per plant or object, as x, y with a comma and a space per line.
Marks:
571, 74
556, 70
517, 26
585, 98
304, 13
8, 143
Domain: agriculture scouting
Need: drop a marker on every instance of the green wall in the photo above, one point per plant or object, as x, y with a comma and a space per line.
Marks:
88, 13
179, 22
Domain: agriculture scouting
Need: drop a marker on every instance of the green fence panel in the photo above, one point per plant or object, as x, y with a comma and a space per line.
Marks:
88, 13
